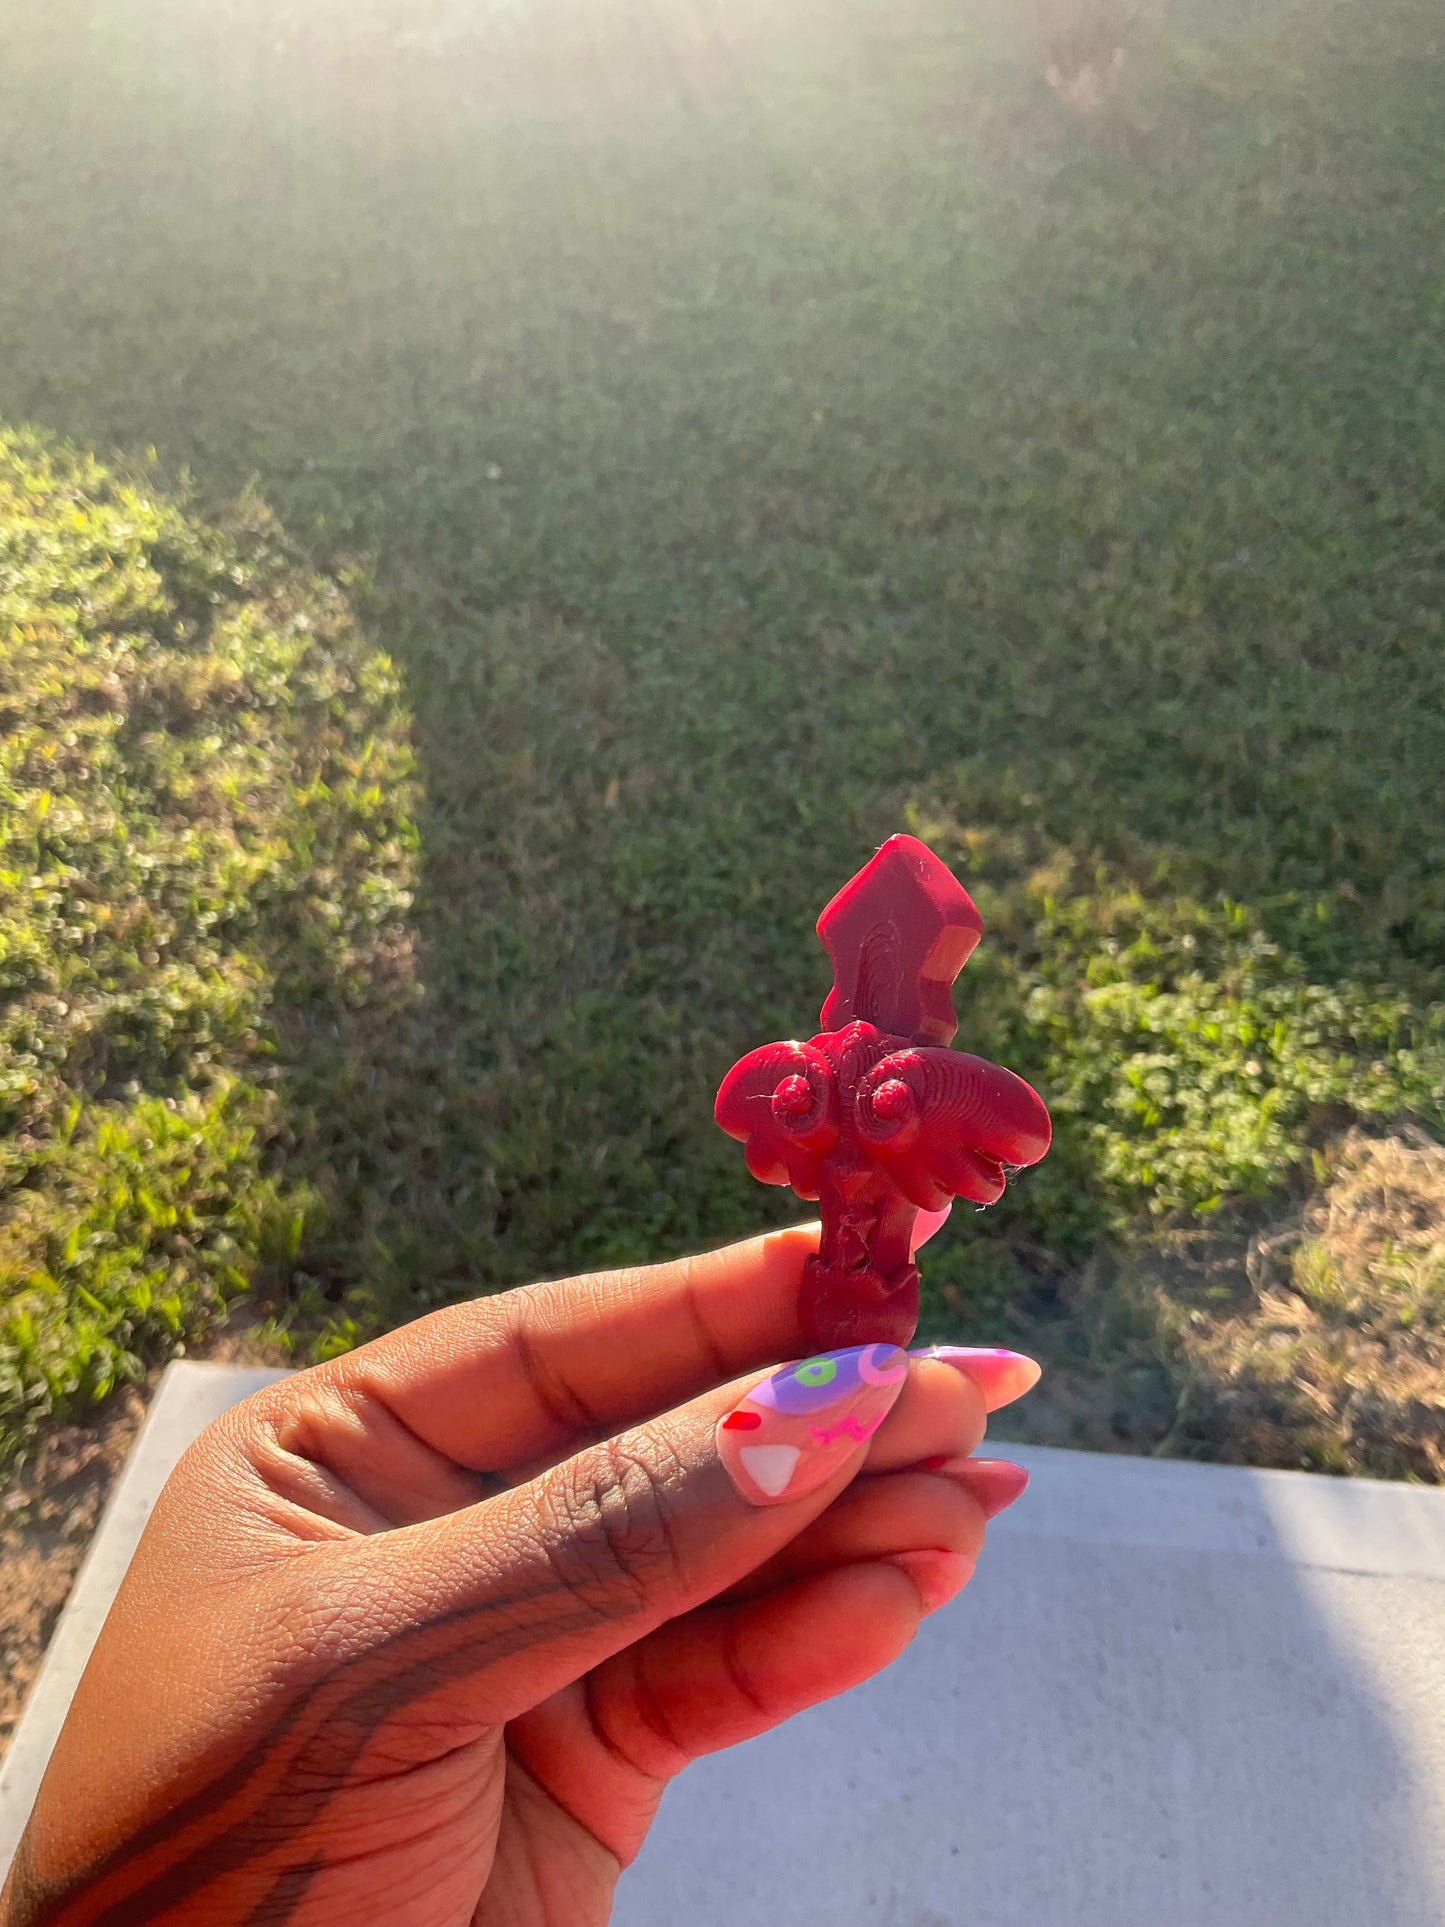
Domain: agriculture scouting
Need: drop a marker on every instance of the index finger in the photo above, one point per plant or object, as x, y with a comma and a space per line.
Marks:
504, 1381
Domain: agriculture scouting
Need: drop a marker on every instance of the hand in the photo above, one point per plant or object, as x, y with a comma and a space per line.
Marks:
419, 1636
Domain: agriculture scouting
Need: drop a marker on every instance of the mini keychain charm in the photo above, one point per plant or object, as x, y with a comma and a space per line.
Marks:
876, 1118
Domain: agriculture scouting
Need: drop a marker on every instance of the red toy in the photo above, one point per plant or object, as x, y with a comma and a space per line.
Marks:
875, 1117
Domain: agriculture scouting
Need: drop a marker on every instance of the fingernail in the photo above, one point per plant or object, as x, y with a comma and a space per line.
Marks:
995, 1483
1000, 1375
793, 1431
939, 1576
924, 1227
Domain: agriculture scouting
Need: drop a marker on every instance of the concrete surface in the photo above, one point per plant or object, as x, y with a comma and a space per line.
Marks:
1175, 1696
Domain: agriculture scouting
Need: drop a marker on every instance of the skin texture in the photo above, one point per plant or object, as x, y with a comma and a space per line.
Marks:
420, 1636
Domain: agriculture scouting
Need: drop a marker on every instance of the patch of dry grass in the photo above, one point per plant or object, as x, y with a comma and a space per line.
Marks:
1337, 1359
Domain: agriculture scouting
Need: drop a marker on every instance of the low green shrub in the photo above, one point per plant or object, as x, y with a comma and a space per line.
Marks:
204, 821
1191, 1057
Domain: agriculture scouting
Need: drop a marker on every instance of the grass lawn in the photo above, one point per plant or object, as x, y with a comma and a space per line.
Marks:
764, 427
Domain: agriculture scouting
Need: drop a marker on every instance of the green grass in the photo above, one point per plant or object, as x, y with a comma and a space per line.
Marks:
765, 428
203, 832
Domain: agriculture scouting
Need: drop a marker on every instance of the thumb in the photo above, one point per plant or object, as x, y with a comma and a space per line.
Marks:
495, 1607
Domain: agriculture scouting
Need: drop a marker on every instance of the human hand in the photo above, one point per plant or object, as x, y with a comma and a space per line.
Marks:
420, 1635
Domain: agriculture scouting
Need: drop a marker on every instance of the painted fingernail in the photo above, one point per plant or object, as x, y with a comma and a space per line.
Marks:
995, 1483
793, 1431
1000, 1375
924, 1227
939, 1576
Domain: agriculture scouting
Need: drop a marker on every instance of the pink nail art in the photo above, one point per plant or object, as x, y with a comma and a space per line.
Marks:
925, 1225
1002, 1376
793, 1431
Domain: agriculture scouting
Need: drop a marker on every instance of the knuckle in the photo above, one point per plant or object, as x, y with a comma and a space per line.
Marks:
611, 1537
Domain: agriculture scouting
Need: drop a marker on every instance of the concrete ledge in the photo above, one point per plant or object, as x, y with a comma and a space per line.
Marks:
1175, 1696
1342, 1525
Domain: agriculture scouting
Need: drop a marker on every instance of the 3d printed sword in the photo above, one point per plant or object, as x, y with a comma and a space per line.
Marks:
875, 1117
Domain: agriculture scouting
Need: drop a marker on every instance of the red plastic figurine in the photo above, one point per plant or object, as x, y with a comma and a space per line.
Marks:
876, 1117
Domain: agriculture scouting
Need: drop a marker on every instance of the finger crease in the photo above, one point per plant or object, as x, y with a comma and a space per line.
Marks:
737, 1677
558, 1400
652, 1717
721, 1368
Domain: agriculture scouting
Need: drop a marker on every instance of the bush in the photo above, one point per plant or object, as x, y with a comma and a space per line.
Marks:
204, 822
1191, 1056
1209, 1063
